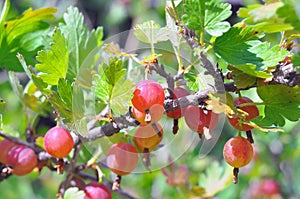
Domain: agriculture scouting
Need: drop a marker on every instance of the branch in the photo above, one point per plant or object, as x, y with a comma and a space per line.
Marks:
19, 141
127, 120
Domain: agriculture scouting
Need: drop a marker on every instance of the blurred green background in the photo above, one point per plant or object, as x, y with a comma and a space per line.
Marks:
277, 154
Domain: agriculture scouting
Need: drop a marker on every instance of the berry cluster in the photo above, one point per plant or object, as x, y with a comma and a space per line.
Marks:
122, 158
148, 108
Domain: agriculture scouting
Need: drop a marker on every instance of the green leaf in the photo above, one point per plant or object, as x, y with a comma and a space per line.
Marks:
74, 193
83, 46
22, 35
65, 92
270, 56
264, 18
121, 96
280, 102
192, 81
62, 100
216, 178
27, 99
253, 70
64, 109
197, 82
30, 21
296, 59
243, 80
238, 47
150, 32
111, 86
207, 15
15, 84
4, 12
53, 63
234, 46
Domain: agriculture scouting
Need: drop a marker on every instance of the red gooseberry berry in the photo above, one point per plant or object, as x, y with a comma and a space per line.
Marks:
58, 142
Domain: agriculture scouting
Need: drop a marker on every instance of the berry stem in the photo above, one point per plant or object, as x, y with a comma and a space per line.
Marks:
157, 130
175, 126
249, 136
146, 159
117, 182
235, 175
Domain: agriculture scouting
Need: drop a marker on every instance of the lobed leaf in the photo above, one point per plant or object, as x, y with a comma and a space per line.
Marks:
216, 178
207, 15
150, 32
280, 102
264, 17
83, 46
111, 86
54, 63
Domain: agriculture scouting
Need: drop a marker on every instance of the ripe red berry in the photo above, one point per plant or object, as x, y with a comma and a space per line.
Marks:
178, 93
146, 94
5, 146
94, 190
122, 158
58, 142
22, 159
269, 187
197, 119
156, 112
251, 110
238, 152
148, 137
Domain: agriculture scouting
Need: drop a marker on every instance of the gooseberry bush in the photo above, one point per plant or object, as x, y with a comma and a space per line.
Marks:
128, 112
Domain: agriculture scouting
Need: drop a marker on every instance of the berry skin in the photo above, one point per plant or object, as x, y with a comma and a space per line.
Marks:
122, 158
197, 118
146, 137
238, 152
58, 142
94, 190
22, 159
251, 110
156, 112
269, 187
178, 93
146, 94
5, 146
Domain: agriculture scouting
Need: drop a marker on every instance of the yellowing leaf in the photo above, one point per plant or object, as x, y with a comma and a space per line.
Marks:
30, 21
263, 128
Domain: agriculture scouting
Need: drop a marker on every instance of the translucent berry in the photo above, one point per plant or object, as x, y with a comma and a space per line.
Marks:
122, 158
251, 110
22, 159
148, 137
58, 142
238, 152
